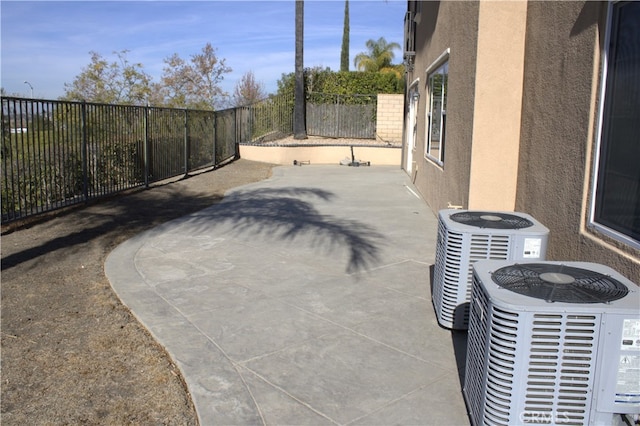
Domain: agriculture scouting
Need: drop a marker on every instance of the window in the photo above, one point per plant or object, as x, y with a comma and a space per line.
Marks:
616, 207
437, 76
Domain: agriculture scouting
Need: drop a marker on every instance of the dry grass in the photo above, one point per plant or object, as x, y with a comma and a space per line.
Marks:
71, 352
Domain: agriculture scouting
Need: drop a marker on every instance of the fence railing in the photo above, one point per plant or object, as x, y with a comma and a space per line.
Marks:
341, 116
57, 153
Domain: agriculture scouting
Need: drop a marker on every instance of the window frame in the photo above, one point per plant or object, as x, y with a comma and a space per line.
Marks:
442, 62
601, 138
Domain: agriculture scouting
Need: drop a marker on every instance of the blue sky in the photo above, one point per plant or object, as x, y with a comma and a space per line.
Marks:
47, 43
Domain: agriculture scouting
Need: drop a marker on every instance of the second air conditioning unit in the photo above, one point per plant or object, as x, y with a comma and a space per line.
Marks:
466, 236
552, 343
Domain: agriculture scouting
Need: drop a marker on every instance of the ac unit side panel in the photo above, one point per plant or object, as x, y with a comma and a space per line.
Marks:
505, 344
447, 262
618, 376
495, 342
477, 342
559, 363
438, 268
451, 278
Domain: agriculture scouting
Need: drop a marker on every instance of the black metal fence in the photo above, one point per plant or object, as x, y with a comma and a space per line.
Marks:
341, 116
57, 153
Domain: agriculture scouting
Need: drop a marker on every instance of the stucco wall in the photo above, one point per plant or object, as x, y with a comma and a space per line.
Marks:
497, 105
558, 135
543, 109
446, 25
285, 155
389, 117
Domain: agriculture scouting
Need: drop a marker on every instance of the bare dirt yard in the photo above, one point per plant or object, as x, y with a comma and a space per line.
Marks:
71, 352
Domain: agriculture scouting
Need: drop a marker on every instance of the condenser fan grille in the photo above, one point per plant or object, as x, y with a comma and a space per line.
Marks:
559, 283
493, 220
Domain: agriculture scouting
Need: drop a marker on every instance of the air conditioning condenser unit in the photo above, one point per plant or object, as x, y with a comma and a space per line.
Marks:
466, 236
552, 343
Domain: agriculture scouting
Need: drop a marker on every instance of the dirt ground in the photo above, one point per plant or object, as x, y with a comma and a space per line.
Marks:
71, 352
320, 140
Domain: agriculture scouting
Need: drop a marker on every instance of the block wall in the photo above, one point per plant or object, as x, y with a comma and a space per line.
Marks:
389, 117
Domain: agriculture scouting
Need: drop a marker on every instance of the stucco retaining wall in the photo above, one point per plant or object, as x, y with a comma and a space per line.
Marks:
377, 156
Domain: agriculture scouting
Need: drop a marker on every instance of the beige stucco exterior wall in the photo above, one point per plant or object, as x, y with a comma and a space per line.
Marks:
522, 117
497, 108
389, 117
559, 131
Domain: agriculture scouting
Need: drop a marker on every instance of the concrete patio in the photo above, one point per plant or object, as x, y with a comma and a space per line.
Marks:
301, 300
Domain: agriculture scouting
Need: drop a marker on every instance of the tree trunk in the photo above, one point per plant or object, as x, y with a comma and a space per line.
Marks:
344, 54
299, 125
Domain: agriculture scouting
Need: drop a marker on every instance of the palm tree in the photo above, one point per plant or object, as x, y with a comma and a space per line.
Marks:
344, 53
299, 125
378, 58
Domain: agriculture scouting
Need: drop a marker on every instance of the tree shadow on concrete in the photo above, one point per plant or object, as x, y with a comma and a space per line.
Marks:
290, 214
110, 221
285, 214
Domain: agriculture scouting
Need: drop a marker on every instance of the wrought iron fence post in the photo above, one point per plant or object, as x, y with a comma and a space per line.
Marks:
215, 138
248, 112
186, 143
236, 136
145, 149
85, 153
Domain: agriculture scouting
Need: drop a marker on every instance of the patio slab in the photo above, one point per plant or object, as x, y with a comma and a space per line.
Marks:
303, 299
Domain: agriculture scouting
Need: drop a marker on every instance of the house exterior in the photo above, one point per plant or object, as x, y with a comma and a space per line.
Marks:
530, 106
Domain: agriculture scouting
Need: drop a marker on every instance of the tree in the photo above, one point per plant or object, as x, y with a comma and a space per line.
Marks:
299, 125
344, 53
3, 92
110, 82
248, 90
194, 84
378, 57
